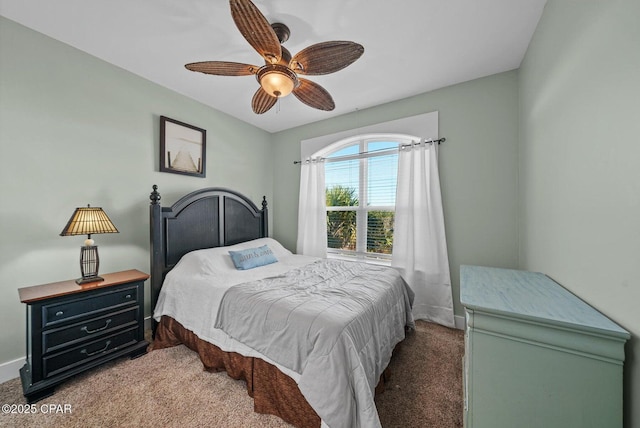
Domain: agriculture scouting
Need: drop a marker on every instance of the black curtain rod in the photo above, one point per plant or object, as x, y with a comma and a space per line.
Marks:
439, 141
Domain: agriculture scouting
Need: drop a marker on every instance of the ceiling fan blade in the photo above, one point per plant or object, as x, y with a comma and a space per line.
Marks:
223, 68
326, 57
314, 95
256, 30
262, 101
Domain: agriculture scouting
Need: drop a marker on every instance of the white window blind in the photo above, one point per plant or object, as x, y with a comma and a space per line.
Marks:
361, 191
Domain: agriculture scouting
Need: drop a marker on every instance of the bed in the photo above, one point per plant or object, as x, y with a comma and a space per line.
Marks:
311, 337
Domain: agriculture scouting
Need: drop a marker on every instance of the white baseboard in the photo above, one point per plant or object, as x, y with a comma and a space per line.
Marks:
460, 322
11, 369
147, 323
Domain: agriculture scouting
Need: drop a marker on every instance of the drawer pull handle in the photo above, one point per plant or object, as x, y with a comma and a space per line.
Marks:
84, 351
59, 313
106, 324
128, 296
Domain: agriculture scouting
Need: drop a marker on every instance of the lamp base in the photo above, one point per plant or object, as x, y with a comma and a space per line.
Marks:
89, 279
89, 263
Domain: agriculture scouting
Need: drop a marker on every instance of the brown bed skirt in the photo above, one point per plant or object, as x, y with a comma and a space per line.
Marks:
273, 392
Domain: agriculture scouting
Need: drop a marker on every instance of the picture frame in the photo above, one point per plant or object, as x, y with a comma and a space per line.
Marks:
183, 148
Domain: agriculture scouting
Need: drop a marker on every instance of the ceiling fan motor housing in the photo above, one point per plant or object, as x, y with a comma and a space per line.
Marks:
282, 31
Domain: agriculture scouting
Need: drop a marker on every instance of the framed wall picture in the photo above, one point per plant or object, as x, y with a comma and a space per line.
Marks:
183, 148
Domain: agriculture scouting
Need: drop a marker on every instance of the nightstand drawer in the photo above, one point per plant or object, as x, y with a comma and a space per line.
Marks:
87, 330
53, 314
88, 351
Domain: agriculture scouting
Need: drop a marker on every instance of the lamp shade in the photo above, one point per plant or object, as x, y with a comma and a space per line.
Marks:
88, 221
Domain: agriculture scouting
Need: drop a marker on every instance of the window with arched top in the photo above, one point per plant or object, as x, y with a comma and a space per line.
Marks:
361, 175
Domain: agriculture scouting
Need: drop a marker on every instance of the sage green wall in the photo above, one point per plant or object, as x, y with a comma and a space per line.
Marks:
76, 130
478, 168
580, 161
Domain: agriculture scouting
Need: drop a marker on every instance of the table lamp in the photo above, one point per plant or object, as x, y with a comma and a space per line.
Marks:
88, 221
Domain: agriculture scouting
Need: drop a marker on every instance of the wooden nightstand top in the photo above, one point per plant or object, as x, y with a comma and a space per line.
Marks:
62, 288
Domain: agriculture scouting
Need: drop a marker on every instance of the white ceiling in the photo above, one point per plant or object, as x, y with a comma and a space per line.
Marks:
411, 46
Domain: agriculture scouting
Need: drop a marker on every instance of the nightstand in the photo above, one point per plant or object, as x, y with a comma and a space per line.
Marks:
72, 328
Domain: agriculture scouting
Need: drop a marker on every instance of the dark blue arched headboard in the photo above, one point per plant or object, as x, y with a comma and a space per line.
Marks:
207, 218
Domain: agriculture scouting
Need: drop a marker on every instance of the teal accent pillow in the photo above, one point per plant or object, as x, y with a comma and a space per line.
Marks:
252, 257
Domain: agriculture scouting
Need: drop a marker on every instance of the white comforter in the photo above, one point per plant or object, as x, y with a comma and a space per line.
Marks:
337, 374
192, 291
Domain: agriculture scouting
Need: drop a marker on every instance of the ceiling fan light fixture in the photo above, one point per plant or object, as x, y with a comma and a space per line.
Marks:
279, 76
277, 80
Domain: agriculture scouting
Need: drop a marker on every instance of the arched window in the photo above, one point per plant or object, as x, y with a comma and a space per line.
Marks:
360, 179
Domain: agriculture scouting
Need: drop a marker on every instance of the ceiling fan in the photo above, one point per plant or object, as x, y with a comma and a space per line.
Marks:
279, 76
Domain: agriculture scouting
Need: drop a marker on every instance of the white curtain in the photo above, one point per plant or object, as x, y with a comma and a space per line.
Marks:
419, 243
312, 210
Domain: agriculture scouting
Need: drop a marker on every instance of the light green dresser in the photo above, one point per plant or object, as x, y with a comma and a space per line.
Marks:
536, 355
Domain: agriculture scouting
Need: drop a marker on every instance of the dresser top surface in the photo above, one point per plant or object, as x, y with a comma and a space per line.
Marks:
55, 289
529, 295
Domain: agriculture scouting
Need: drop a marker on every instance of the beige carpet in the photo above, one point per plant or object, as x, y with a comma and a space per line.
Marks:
169, 388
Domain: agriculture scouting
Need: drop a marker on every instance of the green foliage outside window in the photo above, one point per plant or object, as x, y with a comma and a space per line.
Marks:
380, 232
341, 225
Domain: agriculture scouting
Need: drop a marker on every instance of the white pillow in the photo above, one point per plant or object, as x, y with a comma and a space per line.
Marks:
217, 260
276, 247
